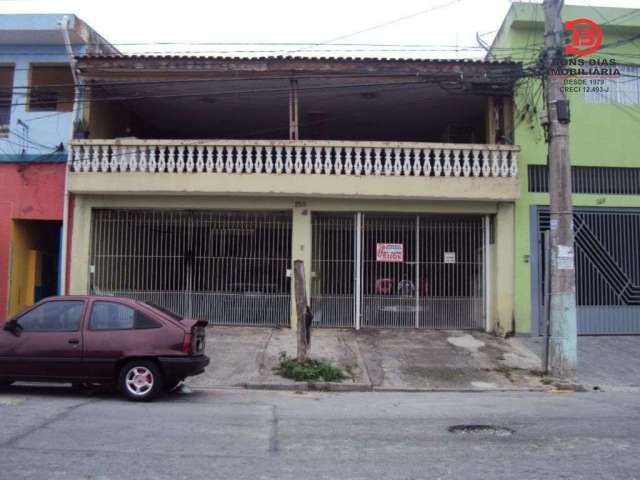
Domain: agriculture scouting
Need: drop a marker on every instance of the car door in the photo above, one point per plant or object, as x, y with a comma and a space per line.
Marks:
47, 344
116, 331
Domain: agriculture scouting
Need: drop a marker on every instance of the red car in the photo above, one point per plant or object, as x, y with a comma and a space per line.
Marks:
140, 348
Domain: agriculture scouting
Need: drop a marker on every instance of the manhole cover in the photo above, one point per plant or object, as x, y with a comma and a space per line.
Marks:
481, 430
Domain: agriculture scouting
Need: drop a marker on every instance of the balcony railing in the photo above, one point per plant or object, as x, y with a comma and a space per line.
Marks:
294, 157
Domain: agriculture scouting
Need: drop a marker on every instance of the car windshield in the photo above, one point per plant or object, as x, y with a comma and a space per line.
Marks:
173, 315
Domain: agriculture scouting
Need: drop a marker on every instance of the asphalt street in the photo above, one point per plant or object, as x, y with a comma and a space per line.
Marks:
59, 433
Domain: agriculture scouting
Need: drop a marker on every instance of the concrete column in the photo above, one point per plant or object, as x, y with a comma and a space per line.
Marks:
490, 121
80, 241
504, 269
300, 250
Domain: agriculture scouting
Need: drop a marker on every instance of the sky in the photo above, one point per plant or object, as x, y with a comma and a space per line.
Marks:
440, 28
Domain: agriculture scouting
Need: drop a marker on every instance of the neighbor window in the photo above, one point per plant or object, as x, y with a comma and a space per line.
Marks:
624, 89
51, 88
6, 92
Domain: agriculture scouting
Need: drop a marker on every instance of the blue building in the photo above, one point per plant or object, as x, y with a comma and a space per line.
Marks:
36, 117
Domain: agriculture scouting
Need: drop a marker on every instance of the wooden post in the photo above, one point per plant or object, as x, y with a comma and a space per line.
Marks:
303, 312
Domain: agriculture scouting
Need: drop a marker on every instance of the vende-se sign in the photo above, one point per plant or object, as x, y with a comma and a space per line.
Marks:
389, 252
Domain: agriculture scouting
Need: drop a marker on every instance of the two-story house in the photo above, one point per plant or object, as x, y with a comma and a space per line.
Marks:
203, 178
36, 114
603, 89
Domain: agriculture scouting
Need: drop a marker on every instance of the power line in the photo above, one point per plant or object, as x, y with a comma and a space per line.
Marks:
134, 96
193, 81
31, 142
240, 92
621, 42
595, 10
390, 22
106, 98
362, 48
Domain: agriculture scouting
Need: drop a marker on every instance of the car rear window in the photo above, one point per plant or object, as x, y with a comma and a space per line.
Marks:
111, 316
115, 316
166, 311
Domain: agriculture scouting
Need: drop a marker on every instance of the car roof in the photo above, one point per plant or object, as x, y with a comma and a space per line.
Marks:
92, 297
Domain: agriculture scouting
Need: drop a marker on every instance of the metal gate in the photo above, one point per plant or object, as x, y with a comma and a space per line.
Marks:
399, 271
333, 277
607, 263
228, 267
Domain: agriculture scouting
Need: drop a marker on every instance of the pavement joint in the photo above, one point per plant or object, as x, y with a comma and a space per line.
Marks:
13, 441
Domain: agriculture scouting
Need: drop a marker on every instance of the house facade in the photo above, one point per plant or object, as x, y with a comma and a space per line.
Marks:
204, 178
605, 157
36, 112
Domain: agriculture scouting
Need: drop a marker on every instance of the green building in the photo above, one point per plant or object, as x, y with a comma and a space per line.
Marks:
605, 156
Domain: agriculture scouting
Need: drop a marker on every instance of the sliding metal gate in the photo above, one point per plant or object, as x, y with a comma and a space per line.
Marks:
607, 262
227, 267
398, 271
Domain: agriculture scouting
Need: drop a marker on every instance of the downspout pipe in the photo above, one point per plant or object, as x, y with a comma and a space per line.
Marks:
77, 114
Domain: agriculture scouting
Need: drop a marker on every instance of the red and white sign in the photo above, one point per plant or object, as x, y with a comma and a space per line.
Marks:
586, 37
389, 252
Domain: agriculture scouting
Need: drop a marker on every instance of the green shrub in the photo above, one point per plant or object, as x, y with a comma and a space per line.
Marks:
308, 370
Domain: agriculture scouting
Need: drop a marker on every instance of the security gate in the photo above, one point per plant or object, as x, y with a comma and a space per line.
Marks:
607, 266
333, 276
227, 267
399, 271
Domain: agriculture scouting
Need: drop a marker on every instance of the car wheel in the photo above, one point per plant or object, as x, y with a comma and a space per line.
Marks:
140, 380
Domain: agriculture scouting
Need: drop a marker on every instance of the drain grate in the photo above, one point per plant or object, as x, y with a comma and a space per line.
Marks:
494, 430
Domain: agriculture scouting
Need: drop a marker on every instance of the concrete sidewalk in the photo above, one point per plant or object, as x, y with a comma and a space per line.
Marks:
376, 359
606, 361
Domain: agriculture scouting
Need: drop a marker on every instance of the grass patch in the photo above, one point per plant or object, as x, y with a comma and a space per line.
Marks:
308, 370
506, 371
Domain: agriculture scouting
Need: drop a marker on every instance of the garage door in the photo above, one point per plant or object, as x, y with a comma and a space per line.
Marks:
607, 261
399, 271
228, 267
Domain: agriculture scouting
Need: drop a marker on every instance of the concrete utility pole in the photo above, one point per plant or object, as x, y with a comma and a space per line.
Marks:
563, 331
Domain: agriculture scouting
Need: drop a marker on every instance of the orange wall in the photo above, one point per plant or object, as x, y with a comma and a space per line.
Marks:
28, 192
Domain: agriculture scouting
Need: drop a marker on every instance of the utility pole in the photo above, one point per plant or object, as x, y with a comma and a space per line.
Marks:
563, 331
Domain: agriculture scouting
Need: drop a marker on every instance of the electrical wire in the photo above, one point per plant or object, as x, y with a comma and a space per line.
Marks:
193, 81
134, 96
206, 94
33, 143
385, 24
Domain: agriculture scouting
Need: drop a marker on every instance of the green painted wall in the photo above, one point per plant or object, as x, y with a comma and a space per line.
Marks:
600, 134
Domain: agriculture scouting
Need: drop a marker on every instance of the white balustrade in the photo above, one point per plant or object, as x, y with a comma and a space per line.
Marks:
407, 159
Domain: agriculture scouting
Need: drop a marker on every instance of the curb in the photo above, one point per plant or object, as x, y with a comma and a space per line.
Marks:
309, 387
458, 390
340, 387
363, 387
288, 387
568, 387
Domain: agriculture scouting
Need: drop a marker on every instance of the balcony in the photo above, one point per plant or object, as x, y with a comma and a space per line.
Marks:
295, 167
